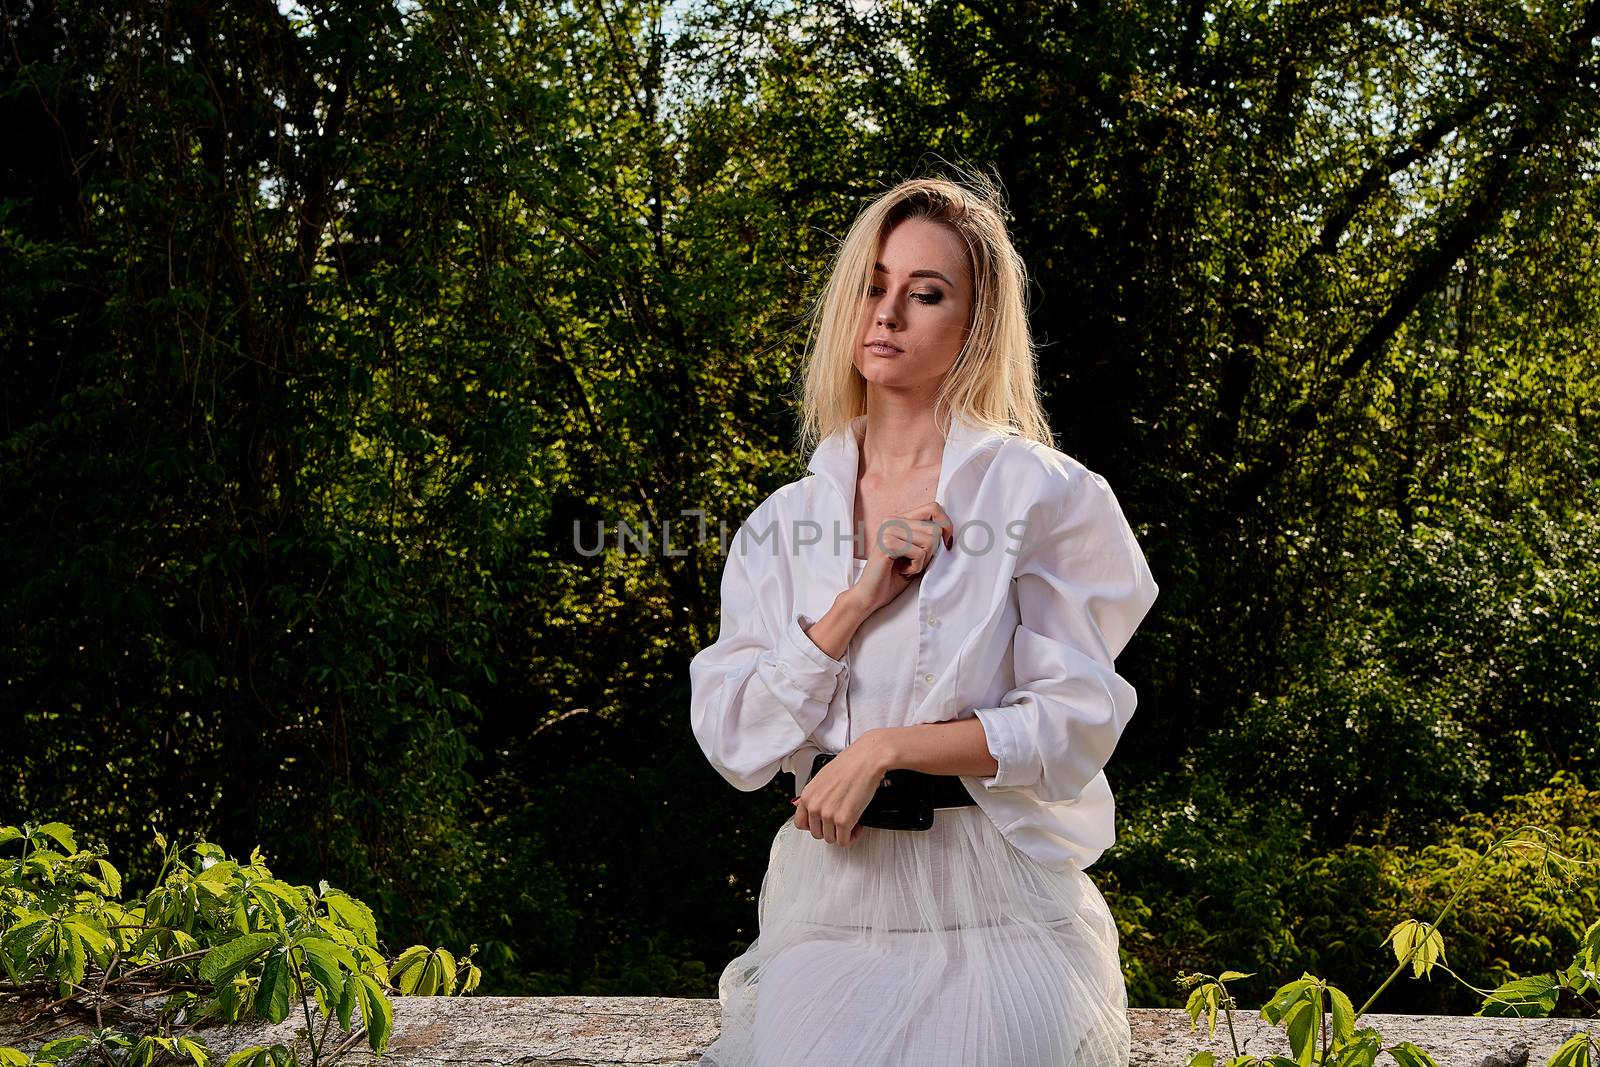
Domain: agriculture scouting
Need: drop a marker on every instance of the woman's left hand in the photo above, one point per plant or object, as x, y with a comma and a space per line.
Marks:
835, 797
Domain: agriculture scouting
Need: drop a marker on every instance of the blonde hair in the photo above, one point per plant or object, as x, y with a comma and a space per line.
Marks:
993, 380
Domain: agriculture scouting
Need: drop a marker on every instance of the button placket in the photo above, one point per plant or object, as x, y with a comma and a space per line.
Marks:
921, 676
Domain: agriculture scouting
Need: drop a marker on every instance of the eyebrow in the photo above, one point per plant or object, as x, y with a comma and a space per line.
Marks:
919, 274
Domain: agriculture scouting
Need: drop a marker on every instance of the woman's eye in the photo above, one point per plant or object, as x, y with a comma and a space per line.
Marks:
932, 297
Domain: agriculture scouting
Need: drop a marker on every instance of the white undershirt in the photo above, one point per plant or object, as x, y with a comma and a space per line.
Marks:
882, 665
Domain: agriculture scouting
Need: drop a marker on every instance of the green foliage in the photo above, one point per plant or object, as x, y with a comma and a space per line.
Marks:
1328, 1035
216, 940
325, 324
1204, 880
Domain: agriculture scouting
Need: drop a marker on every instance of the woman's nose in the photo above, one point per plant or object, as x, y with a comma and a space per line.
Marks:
887, 315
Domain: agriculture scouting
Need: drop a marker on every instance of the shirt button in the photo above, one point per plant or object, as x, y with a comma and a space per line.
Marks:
932, 621
927, 678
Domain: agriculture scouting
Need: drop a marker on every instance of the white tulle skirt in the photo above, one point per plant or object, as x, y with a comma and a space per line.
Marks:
923, 948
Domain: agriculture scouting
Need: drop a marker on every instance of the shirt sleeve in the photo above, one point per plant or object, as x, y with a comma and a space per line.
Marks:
760, 690
1083, 586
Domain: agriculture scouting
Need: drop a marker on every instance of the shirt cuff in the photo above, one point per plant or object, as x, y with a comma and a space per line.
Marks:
813, 673
796, 633
1004, 737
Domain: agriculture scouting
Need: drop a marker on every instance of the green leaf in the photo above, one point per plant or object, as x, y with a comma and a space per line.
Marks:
406, 971
218, 877
231, 957
195, 1050
25, 939
61, 833
94, 936
43, 863
447, 972
288, 894
323, 962
272, 997
1418, 942
1344, 1015
347, 1000
266, 904
423, 972
1408, 1055
1532, 997
1203, 1058
262, 1056
1301, 1024
1360, 1051
246, 1057
1403, 938
376, 1011
1231, 976
111, 877
144, 1052
1576, 1051
1589, 948
352, 915
73, 960
344, 956
1277, 1008
62, 1047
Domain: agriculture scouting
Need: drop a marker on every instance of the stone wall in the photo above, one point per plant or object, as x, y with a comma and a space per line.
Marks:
608, 1031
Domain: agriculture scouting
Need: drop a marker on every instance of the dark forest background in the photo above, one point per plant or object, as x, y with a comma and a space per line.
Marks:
323, 326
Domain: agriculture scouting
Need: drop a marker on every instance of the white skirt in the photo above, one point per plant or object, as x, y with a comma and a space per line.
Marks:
923, 948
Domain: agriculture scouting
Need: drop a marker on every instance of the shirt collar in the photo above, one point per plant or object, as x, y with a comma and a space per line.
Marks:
837, 458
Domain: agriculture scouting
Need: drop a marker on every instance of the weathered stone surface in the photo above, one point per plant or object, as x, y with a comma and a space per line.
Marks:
1161, 1037
613, 1031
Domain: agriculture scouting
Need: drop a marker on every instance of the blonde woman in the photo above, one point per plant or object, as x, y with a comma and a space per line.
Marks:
922, 633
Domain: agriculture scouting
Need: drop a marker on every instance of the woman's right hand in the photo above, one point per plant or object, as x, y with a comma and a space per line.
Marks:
901, 550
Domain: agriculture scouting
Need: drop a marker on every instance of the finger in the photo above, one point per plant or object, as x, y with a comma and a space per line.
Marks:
924, 535
936, 527
946, 524
919, 556
894, 534
935, 513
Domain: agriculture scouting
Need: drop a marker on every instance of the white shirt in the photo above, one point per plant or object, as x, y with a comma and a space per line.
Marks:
1019, 624
878, 679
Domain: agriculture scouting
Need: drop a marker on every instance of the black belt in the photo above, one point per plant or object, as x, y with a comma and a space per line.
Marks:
905, 799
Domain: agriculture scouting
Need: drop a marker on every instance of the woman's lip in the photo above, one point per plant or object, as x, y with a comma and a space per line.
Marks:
883, 350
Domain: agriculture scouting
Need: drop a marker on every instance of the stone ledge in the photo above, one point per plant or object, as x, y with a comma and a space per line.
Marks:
617, 1031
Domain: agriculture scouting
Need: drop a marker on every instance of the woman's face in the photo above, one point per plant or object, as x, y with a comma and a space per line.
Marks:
918, 303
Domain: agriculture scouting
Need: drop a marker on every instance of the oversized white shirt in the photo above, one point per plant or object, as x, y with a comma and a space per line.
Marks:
1019, 624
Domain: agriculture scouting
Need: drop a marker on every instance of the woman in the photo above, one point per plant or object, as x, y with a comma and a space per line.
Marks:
944, 593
